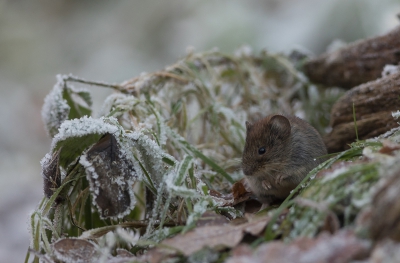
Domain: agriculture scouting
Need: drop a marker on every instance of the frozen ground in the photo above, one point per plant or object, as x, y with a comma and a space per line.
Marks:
107, 41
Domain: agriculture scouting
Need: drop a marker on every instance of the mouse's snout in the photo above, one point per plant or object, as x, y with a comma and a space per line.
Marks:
248, 169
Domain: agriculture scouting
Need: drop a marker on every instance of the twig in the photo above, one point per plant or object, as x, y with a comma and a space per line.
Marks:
95, 83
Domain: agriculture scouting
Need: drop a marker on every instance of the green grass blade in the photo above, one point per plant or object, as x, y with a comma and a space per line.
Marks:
183, 169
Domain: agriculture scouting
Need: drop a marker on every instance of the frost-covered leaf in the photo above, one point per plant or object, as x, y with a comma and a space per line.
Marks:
55, 108
75, 250
78, 134
51, 173
111, 174
62, 103
79, 101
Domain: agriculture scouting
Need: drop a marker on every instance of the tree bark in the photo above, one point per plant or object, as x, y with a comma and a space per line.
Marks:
374, 103
357, 63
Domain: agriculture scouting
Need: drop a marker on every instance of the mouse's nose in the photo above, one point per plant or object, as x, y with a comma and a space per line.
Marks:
247, 169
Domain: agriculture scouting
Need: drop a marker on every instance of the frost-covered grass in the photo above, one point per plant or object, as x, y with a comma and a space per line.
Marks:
162, 142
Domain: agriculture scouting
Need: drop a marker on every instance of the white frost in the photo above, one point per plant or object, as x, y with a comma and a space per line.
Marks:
389, 70
198, 209
124, 102
332, 175
55, 109
84, 126
396, 114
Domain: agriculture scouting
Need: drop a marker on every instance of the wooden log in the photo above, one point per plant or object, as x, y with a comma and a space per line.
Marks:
374, 103
357, 63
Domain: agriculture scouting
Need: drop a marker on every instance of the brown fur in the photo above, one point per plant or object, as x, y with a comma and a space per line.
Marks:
292, 147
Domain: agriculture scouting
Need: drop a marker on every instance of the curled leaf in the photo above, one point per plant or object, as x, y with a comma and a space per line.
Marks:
111, 175
51, 173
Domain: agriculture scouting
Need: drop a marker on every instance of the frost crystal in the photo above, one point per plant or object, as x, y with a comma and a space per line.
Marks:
55, 109
389, 70
84, 126
198, 209
151, 155
332, 175
396, 114
122, 101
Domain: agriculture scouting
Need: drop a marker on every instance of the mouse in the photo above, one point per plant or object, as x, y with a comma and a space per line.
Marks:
280, 150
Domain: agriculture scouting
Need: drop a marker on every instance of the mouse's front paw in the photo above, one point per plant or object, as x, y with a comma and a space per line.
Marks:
279, 179
266, 185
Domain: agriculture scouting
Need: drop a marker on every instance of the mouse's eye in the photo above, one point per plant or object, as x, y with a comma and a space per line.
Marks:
261, 150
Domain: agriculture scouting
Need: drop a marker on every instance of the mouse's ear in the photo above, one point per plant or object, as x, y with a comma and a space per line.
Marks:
248, 126
280, 126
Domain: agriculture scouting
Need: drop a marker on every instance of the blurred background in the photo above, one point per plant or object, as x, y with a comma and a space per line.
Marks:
113, 41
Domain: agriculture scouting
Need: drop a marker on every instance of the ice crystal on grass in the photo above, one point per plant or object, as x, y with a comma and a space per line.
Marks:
151, 156
116, 104
199, 208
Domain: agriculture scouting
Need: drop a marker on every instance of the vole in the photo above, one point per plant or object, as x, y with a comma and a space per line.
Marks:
279, 152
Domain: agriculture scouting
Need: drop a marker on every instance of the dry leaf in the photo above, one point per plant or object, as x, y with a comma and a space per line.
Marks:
111, 176
210, 218
215, 236
75, 250
389, 147
342, 247
239, 190
241, 193
51, 173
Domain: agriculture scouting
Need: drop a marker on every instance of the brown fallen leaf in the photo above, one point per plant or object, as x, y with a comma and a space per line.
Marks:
389, 147
341, 247
75, 250
223, 200
239, 189
210, 218
242, 195
215, 236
